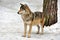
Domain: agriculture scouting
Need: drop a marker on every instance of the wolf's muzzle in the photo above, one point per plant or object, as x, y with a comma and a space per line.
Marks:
17, 12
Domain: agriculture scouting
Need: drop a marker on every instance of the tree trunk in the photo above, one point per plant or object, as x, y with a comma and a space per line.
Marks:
50, 11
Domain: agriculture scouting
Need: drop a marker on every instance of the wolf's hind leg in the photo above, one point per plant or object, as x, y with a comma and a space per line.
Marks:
42, 26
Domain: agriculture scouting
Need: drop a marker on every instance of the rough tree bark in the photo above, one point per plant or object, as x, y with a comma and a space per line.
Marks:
50, 11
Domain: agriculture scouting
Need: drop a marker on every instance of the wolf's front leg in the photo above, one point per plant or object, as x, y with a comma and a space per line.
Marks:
38, 29
30, 29
25, 29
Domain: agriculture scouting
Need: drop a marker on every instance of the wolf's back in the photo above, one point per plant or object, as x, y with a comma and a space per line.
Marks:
49, 19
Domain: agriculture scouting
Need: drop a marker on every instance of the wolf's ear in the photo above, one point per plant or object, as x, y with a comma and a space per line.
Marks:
21, 4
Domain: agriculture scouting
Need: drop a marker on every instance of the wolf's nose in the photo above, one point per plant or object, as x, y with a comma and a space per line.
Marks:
18, 12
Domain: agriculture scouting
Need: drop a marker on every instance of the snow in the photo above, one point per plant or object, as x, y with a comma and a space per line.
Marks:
11, 24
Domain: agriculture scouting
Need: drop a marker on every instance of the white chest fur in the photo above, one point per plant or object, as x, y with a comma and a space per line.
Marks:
27, 22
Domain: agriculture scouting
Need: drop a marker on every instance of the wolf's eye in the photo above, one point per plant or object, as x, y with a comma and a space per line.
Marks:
23, 9
27, 15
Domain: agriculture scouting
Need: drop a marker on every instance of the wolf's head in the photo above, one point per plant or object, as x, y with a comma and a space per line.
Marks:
24, 9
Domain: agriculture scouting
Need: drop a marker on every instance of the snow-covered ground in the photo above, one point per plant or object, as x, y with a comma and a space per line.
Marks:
11, 24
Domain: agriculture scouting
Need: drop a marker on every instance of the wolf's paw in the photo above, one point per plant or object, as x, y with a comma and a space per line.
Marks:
41, 33
23, 35
37, 33
29, 36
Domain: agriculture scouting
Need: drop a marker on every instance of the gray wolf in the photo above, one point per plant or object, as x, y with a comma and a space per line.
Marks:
31, 18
